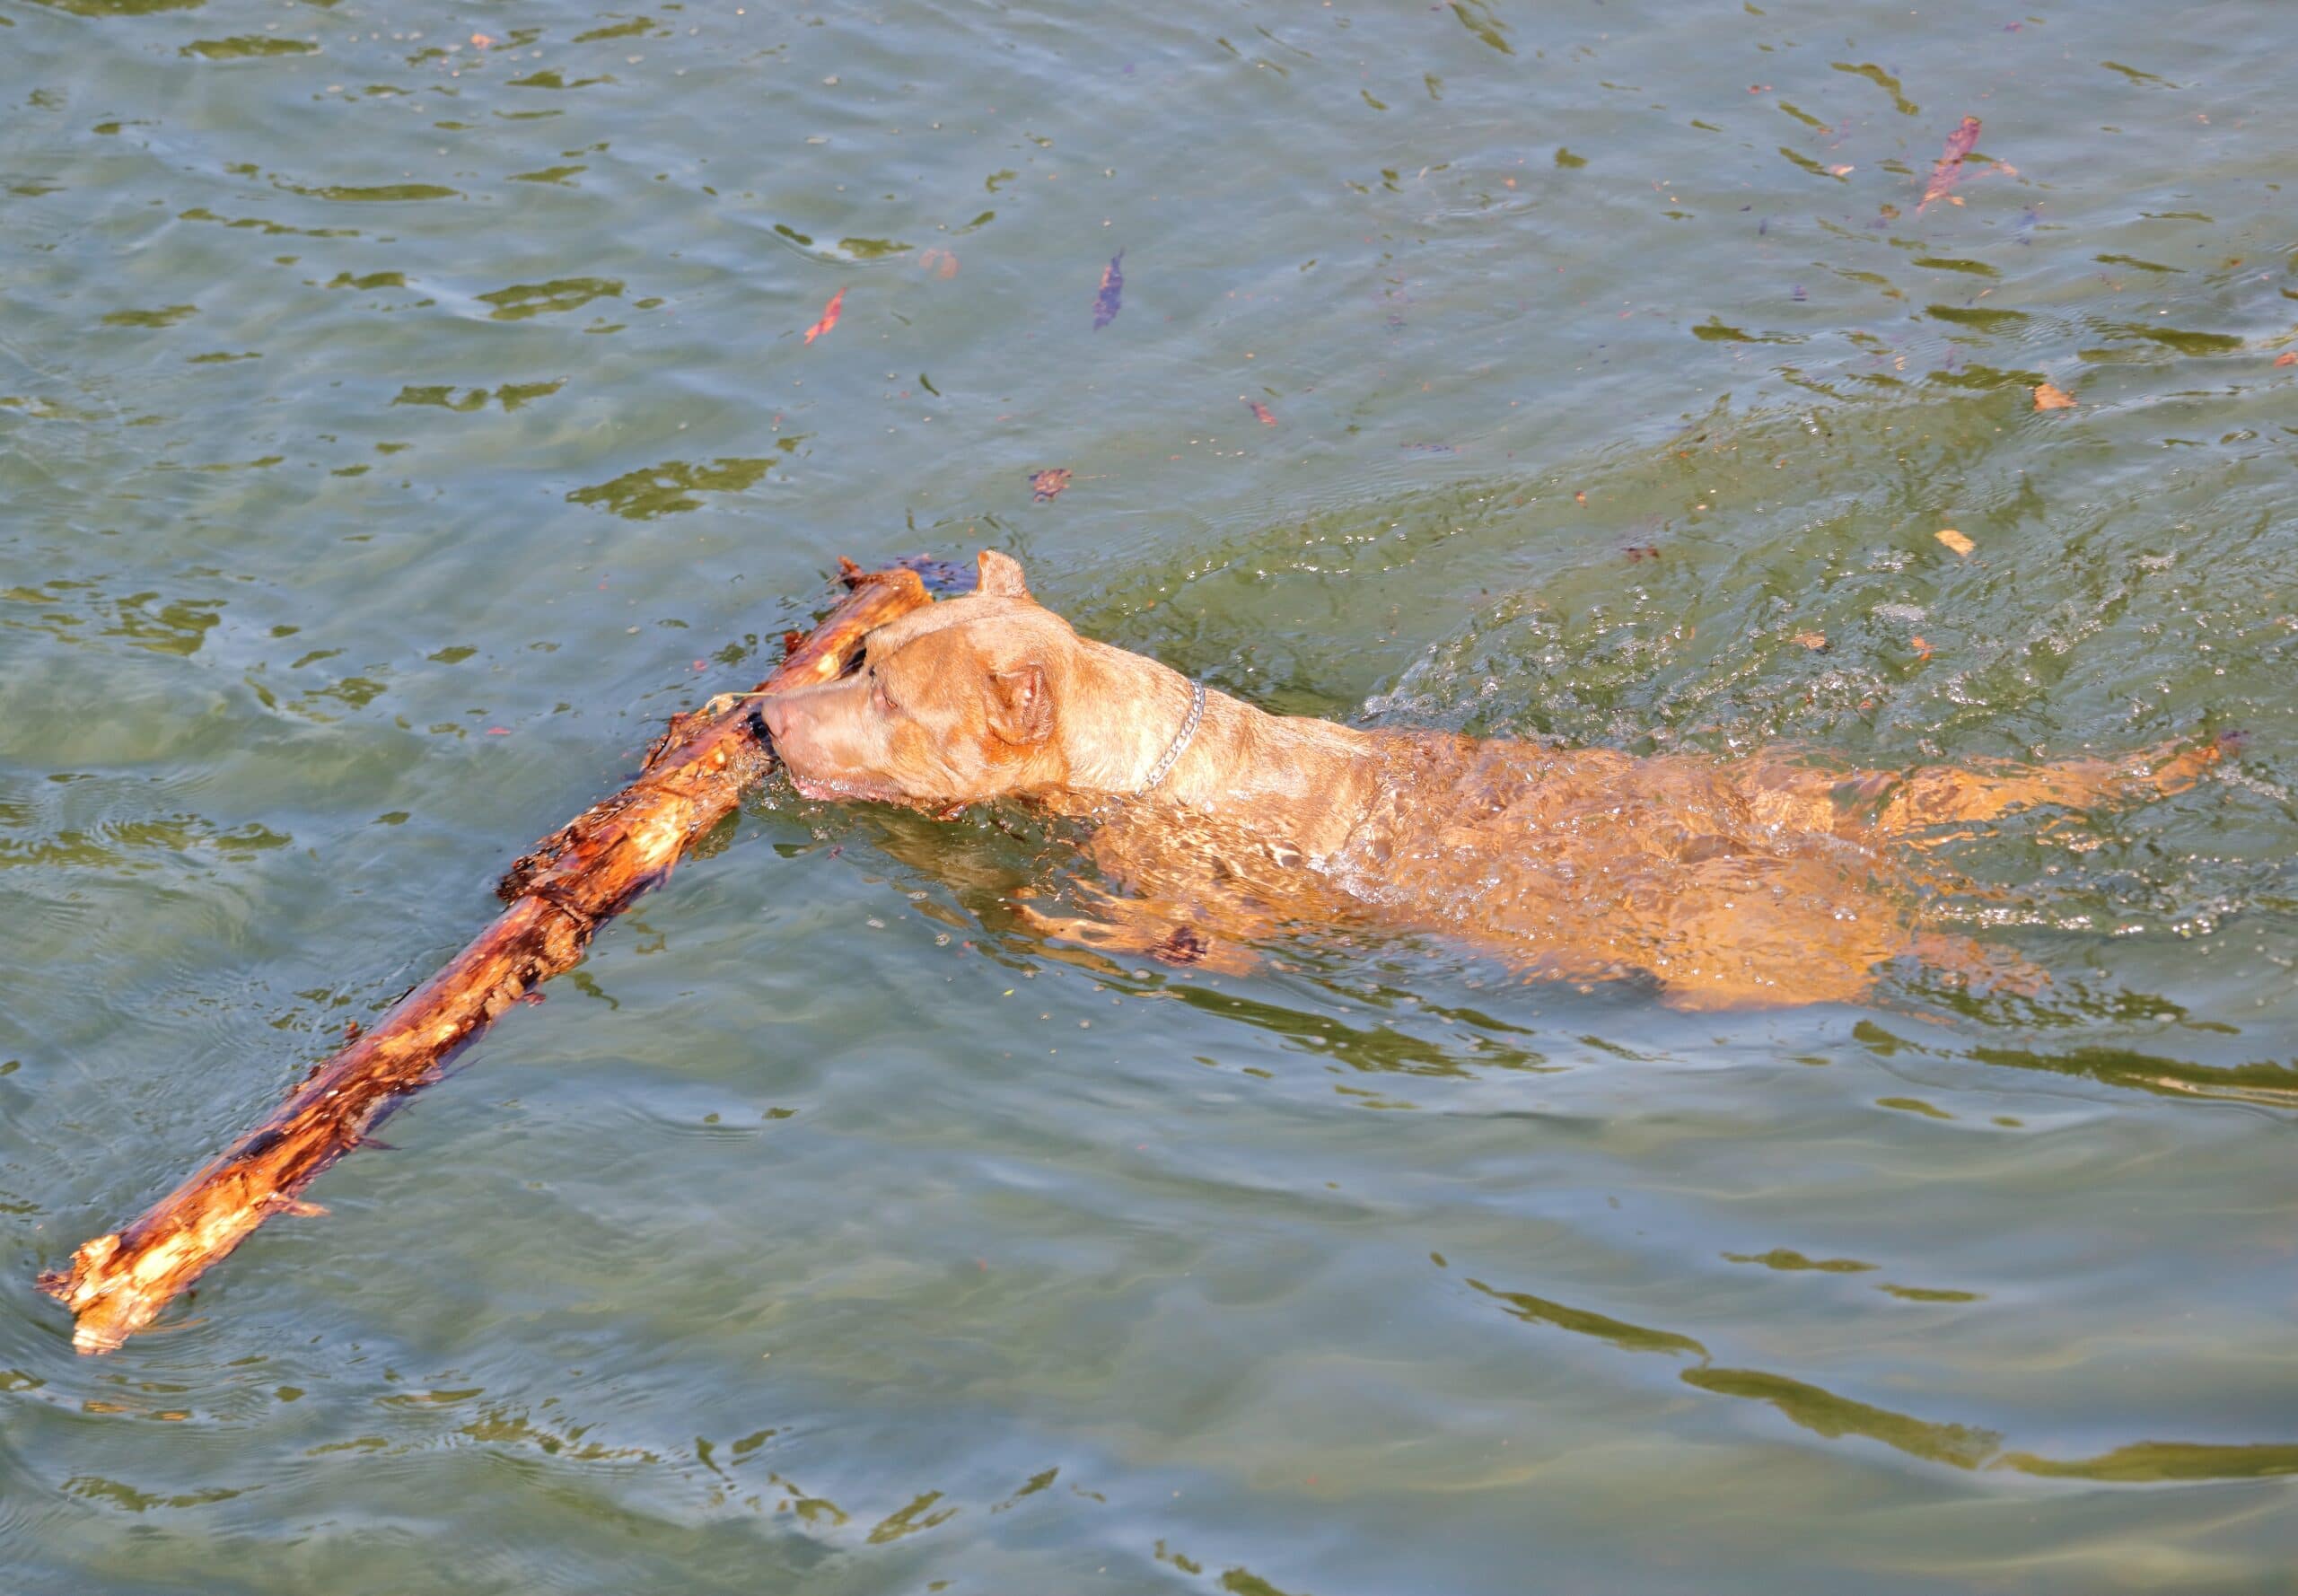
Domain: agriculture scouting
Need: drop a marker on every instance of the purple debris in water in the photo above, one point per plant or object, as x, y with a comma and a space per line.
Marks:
1799, 295
1948, 170
1763, 227
1107, 302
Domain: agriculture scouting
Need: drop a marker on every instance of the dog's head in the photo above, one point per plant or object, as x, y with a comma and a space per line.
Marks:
953, 704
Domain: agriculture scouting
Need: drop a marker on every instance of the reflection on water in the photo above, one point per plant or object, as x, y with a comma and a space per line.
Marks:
2274, 1084
1959, 1446
402, 412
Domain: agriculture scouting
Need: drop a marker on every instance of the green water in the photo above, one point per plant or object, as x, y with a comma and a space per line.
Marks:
393, 432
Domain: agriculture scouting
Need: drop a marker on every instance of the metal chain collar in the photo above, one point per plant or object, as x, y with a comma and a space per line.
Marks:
1163, 767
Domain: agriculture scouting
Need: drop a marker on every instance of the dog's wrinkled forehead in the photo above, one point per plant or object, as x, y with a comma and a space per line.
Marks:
982, 614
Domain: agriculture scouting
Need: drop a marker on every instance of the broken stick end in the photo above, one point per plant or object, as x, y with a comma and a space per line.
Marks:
90, 1339
106, 1310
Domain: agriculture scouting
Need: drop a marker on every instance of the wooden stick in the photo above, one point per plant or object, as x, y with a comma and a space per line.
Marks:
575, 879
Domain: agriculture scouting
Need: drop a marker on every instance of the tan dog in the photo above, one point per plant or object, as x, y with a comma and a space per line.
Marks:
1730, 882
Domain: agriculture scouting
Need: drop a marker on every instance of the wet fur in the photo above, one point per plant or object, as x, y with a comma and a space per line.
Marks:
1768, 879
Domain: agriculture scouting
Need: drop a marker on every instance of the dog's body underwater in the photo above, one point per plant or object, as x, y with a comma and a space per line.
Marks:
1730, 882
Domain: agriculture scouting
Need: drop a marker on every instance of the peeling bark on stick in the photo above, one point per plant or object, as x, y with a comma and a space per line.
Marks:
559, 894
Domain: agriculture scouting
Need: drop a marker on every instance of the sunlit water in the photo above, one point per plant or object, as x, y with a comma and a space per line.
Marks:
394, 430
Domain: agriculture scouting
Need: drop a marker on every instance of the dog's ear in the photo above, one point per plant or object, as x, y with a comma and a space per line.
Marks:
1020, 708
1001, 575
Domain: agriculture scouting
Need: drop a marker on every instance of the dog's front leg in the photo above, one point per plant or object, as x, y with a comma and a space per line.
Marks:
1142, 927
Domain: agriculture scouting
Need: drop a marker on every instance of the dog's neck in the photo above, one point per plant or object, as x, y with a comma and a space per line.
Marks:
1239, 763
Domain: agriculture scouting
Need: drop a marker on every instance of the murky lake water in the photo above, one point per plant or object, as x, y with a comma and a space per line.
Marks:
393, 431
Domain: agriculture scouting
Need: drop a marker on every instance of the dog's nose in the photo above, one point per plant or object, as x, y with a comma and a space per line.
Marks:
774, 715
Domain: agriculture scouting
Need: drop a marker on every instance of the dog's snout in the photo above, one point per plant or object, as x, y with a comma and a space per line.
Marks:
776, 715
